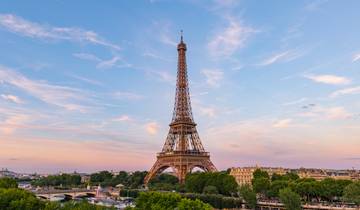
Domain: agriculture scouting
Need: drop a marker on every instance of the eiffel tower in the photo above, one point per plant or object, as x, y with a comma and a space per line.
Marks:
182, 150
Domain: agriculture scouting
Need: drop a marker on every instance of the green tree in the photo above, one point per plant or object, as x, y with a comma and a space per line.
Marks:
168, 201
260, 181
83, 206
276, 186
276, 177
210, 190
290, 199
352, 193
163, 182
102, 176
291, 176
8, 183
66, 180
121, 178
136, 180
248, 195
14, 198
157, 201
258, 173
224, 183
307, 188
261, 185
187, 204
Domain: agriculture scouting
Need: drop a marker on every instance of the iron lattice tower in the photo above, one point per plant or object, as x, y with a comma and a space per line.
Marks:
183, 149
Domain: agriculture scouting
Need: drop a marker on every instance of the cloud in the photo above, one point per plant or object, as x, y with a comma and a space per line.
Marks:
213, 76
12, 98
207, 111
87, 80
329, 79
314, 5
61, 96
163, 29
285, 56
229, 39
346, 91
224, 4
155, 56
337, 113
330, 113
101, 63
152, 128
108, 63
123, 118
163, 76
356, 57
294, 102
87, 56
27, 28
11, 123
128, 95
282, 123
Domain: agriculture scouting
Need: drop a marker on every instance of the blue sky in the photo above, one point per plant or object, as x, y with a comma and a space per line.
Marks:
87, 85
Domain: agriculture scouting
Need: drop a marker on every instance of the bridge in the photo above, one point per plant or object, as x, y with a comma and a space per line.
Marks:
47, 194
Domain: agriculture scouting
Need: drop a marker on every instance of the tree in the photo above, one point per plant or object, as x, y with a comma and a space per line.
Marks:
261, 185
258, 173
8, 183
136, 179
248, 195
260, 181
168, 201
291, 176
121, 178
210, 190
352, 193
100, 177
14, 198
290, 199
276, 177
224, 183
157, 200
57, 180
276, 186
187, 204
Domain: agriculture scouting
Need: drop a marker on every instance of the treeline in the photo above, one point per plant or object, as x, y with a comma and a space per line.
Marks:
211, 183
292, 190
309, 189
13, 198
164, 201
103, 178
129, 180
65, 180
215, 200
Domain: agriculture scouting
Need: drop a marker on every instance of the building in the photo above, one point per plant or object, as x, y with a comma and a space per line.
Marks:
244, 175
320, 174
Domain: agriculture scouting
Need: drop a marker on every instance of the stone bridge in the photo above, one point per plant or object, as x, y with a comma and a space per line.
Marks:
47, 194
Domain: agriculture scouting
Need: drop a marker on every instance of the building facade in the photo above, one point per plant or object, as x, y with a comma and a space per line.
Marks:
244, 175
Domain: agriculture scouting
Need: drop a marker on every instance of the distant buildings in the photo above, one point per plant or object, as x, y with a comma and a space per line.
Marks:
244, 175
6, 173
320, 174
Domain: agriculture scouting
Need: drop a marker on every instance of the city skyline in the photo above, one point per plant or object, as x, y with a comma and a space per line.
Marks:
95, 90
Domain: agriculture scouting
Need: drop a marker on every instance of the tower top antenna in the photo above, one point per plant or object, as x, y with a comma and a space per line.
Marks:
181, 35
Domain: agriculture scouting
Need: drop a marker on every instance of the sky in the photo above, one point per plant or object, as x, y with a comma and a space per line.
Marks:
89, 85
